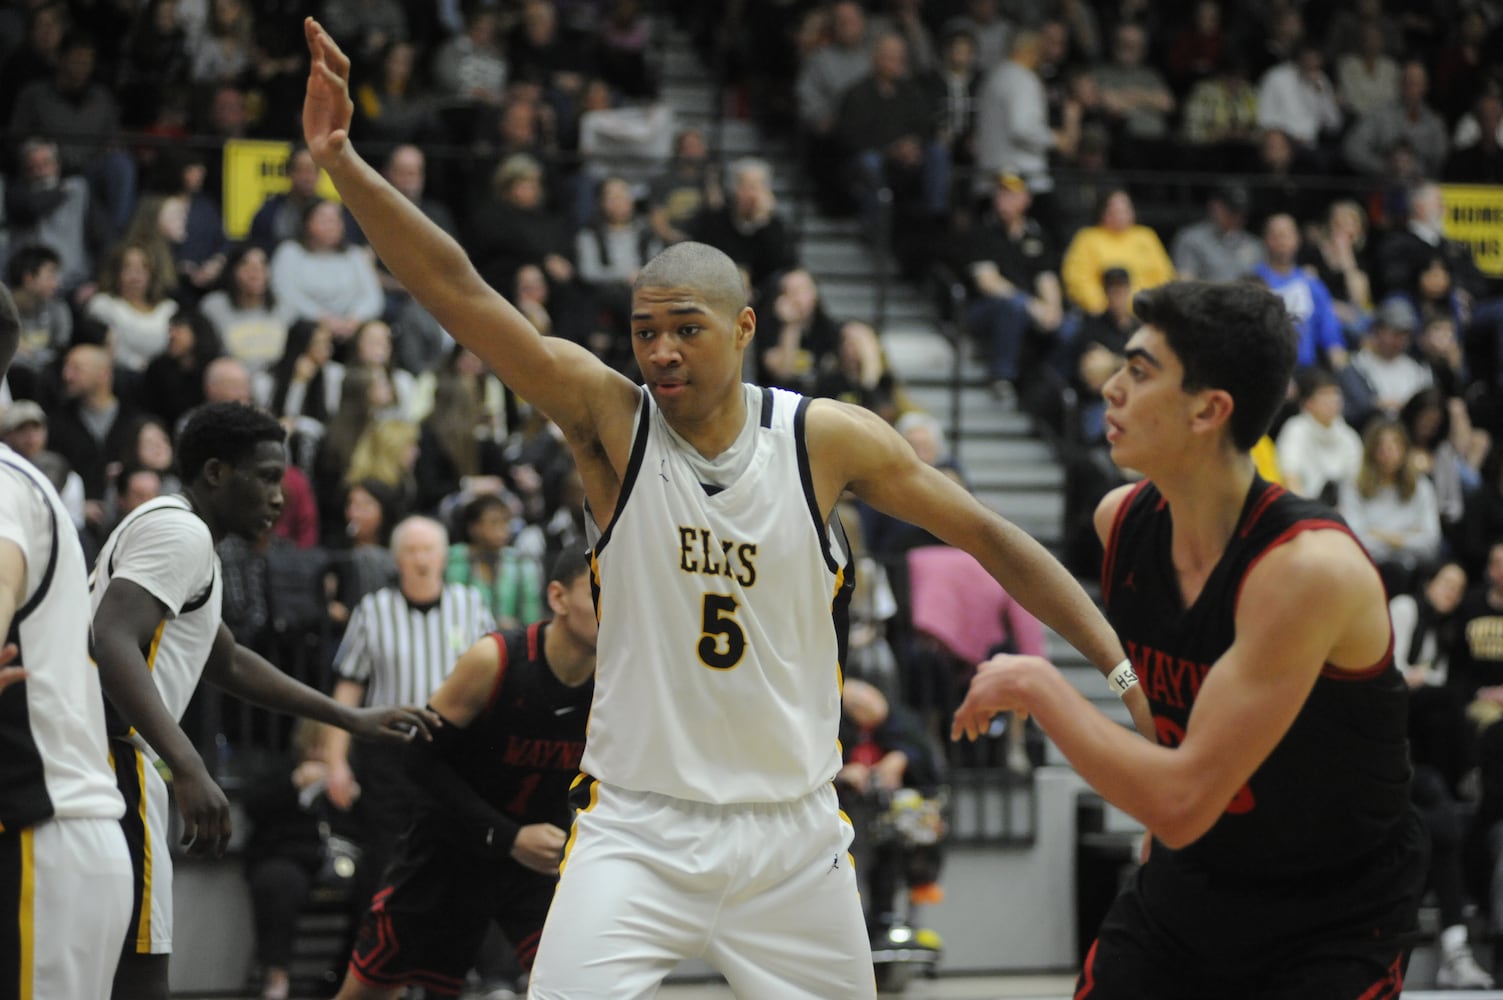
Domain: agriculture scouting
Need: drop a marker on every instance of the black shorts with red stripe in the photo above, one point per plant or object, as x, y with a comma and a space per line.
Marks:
1177, 935
426, 923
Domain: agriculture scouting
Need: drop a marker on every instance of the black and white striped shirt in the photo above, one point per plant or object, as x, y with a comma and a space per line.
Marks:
402, 652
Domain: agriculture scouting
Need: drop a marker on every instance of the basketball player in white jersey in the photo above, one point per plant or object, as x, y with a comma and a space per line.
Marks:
157, 628
707, 824
65, 876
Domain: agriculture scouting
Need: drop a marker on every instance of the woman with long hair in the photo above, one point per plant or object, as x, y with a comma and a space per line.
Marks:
1448, 450
134, 302
797, 350
387, 452
371, 347
321, 276
1337, 253
448, 446
305, 382
363, 394
245, 311
174, 380
1392, 507
392, 103
362, 561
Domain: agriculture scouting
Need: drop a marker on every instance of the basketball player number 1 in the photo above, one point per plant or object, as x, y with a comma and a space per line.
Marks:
722, 643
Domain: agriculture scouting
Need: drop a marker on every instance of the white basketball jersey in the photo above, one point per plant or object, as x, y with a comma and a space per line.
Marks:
166, 549
53, 758
722, 621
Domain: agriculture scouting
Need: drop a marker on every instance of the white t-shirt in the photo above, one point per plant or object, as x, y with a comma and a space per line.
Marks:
136, 336
166, 549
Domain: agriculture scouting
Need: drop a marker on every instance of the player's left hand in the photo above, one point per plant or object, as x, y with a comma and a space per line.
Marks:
995, 688
10, 674
393, 725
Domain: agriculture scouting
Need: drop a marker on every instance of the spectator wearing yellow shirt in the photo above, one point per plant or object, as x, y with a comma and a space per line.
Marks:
1115, 241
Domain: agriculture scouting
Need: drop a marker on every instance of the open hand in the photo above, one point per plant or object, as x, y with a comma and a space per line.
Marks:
995, 688
327, 108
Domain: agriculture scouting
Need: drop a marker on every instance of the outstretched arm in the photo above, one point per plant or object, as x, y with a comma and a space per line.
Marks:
854, 448
246, 674
566, 382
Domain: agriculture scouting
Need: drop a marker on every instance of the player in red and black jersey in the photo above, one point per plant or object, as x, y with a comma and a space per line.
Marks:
487, 844
1287, 861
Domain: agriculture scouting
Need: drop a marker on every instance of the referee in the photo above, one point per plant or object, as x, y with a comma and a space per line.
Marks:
400, 644
65, 874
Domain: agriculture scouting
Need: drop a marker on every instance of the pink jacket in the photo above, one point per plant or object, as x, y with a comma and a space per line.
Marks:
960, 606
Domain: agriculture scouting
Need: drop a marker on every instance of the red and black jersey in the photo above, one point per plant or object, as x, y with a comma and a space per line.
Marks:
1337, 784
523, 750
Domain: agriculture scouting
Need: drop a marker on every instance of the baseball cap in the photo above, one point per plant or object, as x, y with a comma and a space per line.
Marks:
20, 413
1396, 313
1011, 181
1233, 196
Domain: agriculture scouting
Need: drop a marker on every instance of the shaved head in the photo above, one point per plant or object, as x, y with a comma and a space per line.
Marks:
10, 330
700, 268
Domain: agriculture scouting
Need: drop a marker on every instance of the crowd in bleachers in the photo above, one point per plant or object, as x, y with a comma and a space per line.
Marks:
1026, 144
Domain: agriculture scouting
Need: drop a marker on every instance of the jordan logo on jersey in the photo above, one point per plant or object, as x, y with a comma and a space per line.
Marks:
699, 552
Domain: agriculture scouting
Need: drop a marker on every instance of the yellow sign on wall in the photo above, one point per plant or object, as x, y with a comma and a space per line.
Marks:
1474, 216
253, 170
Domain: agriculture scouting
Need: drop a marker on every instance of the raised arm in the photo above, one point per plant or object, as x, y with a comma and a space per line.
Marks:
566, 382
852, 448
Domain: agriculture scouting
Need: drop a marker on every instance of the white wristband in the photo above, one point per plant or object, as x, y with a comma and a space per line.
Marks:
1122, 679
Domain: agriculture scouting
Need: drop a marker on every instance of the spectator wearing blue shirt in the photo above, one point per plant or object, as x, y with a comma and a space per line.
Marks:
1321, 341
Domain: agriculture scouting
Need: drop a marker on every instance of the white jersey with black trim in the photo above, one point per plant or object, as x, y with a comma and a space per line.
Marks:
166, 549
722, 621
54, 762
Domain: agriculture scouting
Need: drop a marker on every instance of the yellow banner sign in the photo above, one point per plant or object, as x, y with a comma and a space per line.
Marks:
1474, 216
254, 170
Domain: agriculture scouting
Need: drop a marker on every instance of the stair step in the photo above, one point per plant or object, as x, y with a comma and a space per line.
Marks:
689, 93
996, 458
910, 348
1010, 477
978, 410
821, 227
846, 257
1040, 515
862, 304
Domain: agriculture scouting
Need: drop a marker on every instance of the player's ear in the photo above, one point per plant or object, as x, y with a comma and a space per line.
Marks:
746, 327
215, 471
556, 595
1212, 410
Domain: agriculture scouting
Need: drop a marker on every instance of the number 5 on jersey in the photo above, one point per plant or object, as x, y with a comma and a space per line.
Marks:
722, 643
